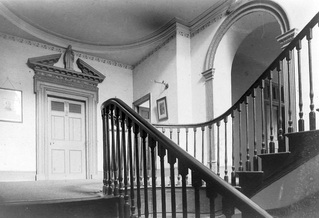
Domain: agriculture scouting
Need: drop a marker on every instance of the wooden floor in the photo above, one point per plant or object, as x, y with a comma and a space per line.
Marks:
13, 192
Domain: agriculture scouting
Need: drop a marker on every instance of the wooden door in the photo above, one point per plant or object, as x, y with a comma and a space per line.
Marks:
145, 113
67, 154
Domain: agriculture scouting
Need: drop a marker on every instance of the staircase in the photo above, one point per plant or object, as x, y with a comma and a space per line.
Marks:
263, 138
219, 168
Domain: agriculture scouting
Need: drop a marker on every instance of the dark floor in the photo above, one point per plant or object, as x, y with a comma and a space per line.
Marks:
65, 190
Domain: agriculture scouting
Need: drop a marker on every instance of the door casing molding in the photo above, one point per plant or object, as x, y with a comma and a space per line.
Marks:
65, 83
43, 91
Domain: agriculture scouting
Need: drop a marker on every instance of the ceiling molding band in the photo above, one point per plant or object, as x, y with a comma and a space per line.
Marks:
62, 50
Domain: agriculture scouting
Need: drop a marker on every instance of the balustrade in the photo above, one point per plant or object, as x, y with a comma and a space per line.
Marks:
138, 157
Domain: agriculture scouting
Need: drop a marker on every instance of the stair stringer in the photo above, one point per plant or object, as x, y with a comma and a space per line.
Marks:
292, 189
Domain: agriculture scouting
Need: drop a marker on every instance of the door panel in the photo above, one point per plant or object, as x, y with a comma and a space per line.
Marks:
66, 139
58, 129
76, 161
58, 161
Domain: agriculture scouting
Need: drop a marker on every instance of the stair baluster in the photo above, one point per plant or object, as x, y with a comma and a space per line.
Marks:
248, 164
301, 122
312, 114
183, 171
211, 195
197, 183
263, 119
255, 158
161, 154
281, 139
195, 135
119, 153
289, 74
144, 151
114, 164
136, 131
130, 148
218, 146
172, 161
152, 144
240, 168
226, 148
233, 173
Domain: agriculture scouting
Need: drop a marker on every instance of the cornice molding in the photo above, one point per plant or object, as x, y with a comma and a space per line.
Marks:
63, 41
47, 72
209, 17
62, 50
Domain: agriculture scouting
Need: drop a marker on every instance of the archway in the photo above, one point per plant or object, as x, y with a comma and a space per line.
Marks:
255, 23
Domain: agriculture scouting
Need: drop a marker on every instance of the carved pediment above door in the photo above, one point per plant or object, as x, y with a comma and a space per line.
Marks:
45, 70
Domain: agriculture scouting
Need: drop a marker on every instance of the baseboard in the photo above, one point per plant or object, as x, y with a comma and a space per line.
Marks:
8, 176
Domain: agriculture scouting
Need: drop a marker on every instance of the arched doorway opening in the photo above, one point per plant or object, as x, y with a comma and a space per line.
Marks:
243, 47
247, 34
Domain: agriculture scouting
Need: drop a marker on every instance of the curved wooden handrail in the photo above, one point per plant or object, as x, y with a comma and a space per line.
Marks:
302, 34
239, 200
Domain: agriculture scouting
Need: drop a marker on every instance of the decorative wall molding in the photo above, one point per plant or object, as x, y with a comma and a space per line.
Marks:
209, 17
285, 38
62, 50
44, 70
65, 83
208, 74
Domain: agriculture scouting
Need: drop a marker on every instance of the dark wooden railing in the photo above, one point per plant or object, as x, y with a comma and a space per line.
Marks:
257, 122
132, 149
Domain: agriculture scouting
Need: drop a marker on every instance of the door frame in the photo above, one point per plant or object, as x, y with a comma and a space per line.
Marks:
140, 101
44, 90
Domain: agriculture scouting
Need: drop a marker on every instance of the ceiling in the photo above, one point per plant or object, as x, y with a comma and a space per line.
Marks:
120, 30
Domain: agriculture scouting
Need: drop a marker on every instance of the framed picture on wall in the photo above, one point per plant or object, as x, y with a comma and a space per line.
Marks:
162, 109
10, 105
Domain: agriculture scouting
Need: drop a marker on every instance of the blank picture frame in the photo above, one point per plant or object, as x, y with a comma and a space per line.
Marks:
162, 109
10, 105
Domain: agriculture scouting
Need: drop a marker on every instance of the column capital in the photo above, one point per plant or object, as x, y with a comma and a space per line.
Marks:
209, 74
285, 38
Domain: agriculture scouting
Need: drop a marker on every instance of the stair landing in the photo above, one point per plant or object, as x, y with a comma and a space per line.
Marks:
70, 198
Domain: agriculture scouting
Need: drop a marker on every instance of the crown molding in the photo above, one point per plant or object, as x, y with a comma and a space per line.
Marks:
63, 41
62, 50
210, 16
201, 22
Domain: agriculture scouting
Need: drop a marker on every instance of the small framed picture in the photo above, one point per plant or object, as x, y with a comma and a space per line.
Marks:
10, 105
162, 109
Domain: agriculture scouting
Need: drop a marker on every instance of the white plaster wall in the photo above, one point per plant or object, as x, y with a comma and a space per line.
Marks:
160, 66
299, 12
199, 46
184, 80
18, 140
118, 83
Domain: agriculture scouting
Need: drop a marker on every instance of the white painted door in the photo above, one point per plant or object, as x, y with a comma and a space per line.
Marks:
66, 139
